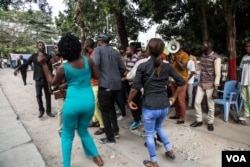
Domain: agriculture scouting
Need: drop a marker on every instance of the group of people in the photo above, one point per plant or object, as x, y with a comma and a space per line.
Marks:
94, 79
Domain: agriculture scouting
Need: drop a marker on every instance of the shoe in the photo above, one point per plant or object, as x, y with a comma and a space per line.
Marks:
170, 154
135, 125
174, 117
116, 134
41, 114
94, 124
244, 118
180, 122
120, 118
196, 124
99, 131
105, 140
148, 163
51, 115
210, 127
98, 161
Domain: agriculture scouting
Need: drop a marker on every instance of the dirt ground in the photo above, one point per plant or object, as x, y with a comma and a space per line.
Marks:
195, 145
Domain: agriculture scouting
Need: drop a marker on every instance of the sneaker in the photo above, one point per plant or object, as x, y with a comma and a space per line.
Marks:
244, 118
116, 134
105, 140
120, 118
135, 125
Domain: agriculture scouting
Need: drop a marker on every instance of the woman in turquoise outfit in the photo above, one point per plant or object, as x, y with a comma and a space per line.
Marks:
78, 108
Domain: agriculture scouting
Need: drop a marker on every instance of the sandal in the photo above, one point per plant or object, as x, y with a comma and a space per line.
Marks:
94, 124
170, 154
150, 163
98, 161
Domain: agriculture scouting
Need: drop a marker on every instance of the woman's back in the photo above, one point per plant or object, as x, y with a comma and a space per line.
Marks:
79, 91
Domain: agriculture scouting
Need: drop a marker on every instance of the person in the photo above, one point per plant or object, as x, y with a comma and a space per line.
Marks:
78, 108
121, 99
210, 73
89, 45
179, 63
244, 77
23, 70
152, 76
122, 52
40, 80
131, 61
191, 71
111, 68
58, 90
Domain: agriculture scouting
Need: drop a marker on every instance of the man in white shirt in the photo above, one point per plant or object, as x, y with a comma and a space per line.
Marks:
244, 77
191, 71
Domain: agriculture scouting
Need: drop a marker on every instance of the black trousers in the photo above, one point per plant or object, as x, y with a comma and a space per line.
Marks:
107, 100
39, 86
121, 99
24, 75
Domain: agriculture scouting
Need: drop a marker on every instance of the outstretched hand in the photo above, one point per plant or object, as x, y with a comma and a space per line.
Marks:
15, 72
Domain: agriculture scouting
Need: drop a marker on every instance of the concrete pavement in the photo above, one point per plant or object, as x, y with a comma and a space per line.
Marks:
18, 149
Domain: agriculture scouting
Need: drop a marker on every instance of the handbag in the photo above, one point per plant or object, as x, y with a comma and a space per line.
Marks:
142, 89
59, 94
215, 94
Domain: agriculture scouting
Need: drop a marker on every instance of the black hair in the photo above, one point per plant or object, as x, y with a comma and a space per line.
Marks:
133, 48
41, 43
210, 43
122, 47
70, 47
90, 42
155, 48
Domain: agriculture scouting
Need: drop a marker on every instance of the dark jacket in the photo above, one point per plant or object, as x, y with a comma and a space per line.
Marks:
38, 74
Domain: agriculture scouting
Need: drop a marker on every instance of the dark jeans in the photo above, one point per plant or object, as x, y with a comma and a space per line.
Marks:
106, 100
39, 86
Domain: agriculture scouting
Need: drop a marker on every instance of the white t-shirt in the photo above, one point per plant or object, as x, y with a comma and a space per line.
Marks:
245, 66
191, 67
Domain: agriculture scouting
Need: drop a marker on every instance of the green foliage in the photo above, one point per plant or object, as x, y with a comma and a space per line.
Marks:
21, 30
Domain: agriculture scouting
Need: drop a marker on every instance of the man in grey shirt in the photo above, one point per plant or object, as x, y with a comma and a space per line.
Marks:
111, 68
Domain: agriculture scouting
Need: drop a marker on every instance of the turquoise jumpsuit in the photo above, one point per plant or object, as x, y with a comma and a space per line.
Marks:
78, 110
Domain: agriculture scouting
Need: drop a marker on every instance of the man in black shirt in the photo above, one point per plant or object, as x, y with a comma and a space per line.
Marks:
40, 79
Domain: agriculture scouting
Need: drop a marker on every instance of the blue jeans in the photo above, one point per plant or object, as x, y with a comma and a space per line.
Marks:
153, 120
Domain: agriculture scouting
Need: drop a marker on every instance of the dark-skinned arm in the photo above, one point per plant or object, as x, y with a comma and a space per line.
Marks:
94, 70
49, 77
182, 66
131, 96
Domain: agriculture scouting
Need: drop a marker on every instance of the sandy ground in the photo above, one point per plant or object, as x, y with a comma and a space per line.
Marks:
195, 145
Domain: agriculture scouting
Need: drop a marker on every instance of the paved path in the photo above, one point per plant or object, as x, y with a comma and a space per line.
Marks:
20, 147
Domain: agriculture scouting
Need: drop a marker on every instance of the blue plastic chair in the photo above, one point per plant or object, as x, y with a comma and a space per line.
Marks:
230, 97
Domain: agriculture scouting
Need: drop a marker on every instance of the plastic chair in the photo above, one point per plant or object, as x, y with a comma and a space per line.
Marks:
230, 97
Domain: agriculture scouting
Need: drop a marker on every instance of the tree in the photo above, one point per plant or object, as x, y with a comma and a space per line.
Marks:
20, 30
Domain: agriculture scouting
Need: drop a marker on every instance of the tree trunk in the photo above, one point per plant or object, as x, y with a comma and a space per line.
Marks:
203, 19
79, 19
229, 15
122, 33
